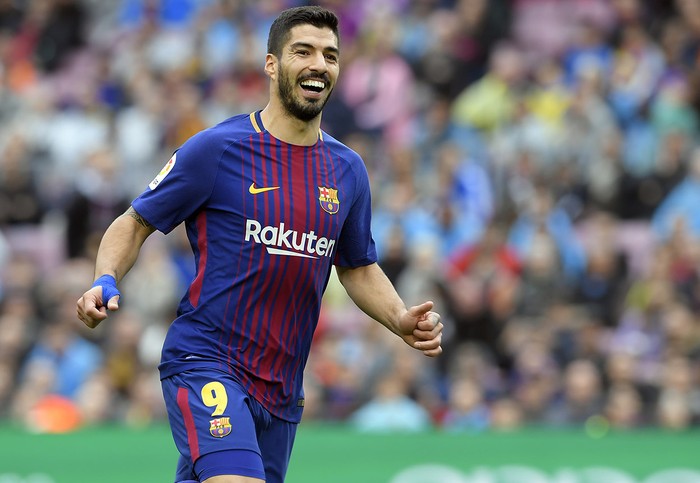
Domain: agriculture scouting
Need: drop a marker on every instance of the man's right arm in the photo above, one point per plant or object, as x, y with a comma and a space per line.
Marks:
118, 251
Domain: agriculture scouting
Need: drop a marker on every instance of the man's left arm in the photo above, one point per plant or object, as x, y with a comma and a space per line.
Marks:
373, 292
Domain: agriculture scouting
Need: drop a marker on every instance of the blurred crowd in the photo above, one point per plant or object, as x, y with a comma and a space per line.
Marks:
535, 172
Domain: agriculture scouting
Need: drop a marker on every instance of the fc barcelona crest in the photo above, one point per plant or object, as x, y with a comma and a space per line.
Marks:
220, 427
328, 198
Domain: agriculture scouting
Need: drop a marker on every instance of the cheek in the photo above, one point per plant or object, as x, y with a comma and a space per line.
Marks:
332, 75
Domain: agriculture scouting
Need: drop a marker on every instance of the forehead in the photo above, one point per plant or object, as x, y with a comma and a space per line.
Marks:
321, 38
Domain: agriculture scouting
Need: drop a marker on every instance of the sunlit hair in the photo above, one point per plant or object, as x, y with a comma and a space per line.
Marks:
313, 15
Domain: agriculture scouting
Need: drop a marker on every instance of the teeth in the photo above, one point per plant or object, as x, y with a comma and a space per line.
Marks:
313, 83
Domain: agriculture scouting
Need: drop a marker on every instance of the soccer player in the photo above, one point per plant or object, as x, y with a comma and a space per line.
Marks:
270, 203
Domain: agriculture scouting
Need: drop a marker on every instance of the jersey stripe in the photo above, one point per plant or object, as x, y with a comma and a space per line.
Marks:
325, 168
225, 315
184, 405
241, 313
253, 307
276, 312
259, 333
296, 157
308, 297
196, 287
301, 188
262, 316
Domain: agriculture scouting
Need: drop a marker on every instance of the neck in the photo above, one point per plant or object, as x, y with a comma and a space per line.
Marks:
289, 129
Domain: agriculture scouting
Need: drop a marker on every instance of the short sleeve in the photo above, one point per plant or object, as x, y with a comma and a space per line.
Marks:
356, 245
184, 184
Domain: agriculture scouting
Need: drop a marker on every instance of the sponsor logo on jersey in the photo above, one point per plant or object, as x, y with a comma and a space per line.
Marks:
220, 427
328, 198
279, 240
163, 173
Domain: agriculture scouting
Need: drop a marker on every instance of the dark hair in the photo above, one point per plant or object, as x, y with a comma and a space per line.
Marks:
313, 15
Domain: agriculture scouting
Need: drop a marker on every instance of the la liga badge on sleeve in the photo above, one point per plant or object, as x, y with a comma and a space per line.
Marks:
163, 172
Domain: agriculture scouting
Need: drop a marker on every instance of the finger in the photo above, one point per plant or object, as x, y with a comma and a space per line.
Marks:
420, 310
113, 303
88, 313
91, 322
433, 352
429, 322
97, 313
428, 334
428, 345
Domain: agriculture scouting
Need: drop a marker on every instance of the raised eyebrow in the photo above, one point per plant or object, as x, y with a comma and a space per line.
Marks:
305, 45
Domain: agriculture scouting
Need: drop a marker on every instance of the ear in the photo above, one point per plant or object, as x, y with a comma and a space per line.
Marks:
271, 66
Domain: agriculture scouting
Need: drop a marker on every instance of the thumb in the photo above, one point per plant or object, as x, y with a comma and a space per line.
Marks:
113, 303
422, 309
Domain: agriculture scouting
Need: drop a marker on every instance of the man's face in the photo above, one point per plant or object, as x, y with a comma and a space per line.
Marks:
308, 70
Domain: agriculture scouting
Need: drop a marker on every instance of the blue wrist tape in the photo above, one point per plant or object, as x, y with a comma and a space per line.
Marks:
109, 287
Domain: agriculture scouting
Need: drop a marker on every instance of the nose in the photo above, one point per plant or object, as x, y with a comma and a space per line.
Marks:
318, 63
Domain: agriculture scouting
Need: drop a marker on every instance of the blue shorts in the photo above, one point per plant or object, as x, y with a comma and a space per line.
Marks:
220, 430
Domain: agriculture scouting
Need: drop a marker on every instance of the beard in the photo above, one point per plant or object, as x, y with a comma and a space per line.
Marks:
303, 109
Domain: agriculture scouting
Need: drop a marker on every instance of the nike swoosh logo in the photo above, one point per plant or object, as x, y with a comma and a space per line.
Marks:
253, 190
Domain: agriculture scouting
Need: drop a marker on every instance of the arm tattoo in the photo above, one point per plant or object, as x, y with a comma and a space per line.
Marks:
139, 219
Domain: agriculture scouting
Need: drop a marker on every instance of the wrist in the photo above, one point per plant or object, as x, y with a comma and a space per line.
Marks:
109, 287
105, 279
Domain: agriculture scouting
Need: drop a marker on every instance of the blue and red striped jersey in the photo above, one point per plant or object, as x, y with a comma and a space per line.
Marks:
266, 220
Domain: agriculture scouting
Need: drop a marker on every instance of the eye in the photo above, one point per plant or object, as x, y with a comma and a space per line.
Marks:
332, 58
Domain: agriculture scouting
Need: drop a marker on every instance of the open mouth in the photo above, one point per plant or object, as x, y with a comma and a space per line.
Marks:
315, 86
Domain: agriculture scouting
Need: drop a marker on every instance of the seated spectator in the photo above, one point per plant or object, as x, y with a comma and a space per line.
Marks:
98, 198
488, 103
678, 210
72, 358
466, 409
390, 409
581, 396
541, 216
481, 288
673, 411
20, 199
506, 415
623, 407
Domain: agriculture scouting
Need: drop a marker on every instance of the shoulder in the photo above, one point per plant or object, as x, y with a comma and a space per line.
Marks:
344, 152
224, 133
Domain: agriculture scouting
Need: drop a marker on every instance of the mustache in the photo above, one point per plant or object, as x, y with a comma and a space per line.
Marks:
322, 77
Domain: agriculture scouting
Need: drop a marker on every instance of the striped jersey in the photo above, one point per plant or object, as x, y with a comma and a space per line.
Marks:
266, 220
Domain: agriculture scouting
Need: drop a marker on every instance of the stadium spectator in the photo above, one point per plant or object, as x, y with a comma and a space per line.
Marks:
391, 409
466, 409
676, 210
581, 396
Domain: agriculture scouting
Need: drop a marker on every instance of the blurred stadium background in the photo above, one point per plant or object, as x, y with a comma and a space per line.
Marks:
535, 171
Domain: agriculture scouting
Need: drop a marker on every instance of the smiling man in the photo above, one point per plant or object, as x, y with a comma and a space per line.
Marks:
270, 203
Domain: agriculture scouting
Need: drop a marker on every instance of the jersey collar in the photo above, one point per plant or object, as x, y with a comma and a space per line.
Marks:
256, 121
